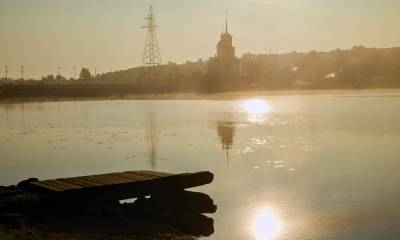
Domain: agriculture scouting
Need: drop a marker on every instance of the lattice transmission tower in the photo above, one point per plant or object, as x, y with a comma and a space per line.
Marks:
151, 53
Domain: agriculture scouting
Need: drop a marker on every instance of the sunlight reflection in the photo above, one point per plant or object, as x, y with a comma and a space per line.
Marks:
265, 225
256, 109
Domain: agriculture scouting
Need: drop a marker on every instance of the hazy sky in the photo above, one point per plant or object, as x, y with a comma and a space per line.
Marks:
45, 34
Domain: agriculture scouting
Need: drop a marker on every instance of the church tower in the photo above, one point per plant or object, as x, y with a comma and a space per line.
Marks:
223, 69
224, 46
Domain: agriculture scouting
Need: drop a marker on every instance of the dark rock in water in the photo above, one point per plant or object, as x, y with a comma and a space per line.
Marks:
26, 183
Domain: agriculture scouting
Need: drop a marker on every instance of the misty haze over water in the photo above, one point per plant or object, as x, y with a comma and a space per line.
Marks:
318, 166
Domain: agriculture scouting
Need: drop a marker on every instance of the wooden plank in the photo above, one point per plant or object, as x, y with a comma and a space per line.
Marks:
57, 186
64, 185
145, 175
78, 182
135, 176
158, 174
73, 182
100, 179
95, 180
118, 177
88, 181
111, 179
45, 186
132, 177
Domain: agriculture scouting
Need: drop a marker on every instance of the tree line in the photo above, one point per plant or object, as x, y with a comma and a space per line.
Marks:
355, 68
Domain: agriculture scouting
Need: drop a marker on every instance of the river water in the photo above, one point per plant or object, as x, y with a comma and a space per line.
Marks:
299, 166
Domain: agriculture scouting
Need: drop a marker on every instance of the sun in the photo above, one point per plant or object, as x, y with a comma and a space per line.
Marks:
265, 225
256, 109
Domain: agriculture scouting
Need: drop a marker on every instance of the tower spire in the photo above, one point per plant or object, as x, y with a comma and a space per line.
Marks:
226, 21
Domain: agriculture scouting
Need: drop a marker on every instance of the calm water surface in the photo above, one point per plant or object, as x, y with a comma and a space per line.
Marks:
286, 167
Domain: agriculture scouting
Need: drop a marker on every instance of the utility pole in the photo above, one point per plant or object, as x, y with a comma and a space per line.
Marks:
22, 72
6, 69
74, 69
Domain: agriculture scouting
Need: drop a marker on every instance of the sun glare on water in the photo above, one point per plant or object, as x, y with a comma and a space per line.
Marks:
256, 109
265, 225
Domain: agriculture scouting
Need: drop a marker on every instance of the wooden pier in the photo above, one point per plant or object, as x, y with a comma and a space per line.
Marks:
95, 200
123, 185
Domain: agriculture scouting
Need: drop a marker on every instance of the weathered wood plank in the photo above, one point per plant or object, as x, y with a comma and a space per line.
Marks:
95, 180
137, 176
78, 182
148, 174
89, 181
61, 186
111, 179
46, 186
64, 185
160, 174
118, 177
133, 177
58, 186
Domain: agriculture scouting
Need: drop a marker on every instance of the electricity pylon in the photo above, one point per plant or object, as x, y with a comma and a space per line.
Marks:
151, 54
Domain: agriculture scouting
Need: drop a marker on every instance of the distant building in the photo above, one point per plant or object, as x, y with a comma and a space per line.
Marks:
224, 67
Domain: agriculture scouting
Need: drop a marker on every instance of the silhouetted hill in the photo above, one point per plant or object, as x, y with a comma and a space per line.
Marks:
358, 67
355, 68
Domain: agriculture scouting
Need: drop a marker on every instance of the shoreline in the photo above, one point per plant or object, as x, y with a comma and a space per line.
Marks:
233, 95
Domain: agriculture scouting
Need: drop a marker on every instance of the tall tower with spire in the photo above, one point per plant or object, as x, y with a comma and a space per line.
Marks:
223, 69
225, 48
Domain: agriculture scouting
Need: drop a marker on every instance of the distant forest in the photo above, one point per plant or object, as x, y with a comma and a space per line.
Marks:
355, 68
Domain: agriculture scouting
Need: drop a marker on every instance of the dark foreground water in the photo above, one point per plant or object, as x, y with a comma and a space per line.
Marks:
311, 166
